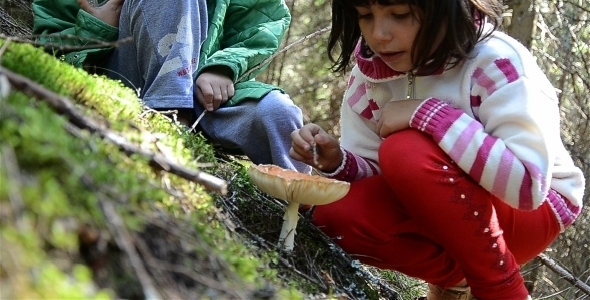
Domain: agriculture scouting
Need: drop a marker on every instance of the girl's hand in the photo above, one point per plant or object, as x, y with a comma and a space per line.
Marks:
214, 87
396, 115
108, 13
326, 157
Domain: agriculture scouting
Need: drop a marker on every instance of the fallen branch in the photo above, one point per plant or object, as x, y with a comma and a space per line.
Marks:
77, 132
65, 107
551, 264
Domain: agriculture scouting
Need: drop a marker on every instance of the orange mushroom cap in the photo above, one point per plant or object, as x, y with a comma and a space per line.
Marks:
297, 187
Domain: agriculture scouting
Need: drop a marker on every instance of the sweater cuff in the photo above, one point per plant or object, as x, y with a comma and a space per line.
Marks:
346, 171
434, 117
338, 170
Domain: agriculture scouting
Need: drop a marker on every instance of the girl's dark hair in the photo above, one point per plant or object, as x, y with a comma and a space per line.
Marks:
461, 20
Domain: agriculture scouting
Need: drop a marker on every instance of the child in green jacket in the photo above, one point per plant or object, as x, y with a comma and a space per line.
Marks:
165, 43
173, 66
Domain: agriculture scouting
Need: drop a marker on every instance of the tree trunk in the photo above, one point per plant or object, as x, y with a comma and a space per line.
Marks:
523, 22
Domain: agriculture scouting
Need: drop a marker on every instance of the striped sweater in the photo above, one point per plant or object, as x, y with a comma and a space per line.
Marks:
496, 115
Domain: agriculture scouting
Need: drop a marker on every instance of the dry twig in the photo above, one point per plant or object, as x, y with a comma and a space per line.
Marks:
551, 264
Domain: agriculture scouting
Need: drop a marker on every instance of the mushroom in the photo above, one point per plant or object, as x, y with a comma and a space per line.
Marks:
295, 188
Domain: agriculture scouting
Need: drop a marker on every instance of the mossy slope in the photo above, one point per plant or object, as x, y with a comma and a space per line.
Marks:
56, 179
63, 190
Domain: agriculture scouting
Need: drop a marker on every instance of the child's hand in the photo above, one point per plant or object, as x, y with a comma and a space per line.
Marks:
326, 156
108, 13
213, 88
396, 115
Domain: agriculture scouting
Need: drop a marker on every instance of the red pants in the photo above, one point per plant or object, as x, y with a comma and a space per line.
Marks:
426, 218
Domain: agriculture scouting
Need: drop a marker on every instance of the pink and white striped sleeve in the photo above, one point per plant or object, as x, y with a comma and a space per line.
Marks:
507, 146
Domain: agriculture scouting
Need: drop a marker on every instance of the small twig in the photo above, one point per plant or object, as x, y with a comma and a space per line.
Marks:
315, 156
5, 46
64, 106
551, 264
197, 121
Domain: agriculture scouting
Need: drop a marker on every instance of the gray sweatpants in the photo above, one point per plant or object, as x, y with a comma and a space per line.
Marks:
164, 53
261, 129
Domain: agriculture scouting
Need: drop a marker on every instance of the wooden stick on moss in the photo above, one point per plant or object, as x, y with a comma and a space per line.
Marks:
65, 107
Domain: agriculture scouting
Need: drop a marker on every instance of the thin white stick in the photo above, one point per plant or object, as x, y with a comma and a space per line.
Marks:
197, 121
315, 156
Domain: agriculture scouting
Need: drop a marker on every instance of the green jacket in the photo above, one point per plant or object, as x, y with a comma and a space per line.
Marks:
241, 35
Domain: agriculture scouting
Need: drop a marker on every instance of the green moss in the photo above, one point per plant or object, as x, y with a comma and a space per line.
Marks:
57, 178
91, 90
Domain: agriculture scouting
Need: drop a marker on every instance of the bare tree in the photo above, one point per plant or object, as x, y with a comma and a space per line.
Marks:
522, 19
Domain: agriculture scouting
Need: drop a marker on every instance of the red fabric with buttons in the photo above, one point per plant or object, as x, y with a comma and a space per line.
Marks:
424, 217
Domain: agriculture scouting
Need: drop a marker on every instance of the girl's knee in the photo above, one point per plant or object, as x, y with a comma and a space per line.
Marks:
405, 149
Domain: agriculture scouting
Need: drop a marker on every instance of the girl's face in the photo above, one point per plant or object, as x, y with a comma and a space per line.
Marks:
390, 31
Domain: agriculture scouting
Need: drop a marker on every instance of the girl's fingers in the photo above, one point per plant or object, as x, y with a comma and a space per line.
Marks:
313, 146
308, 133
297, 155
298, 144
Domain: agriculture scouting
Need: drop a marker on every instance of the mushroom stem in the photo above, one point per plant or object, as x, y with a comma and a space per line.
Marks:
290, 219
